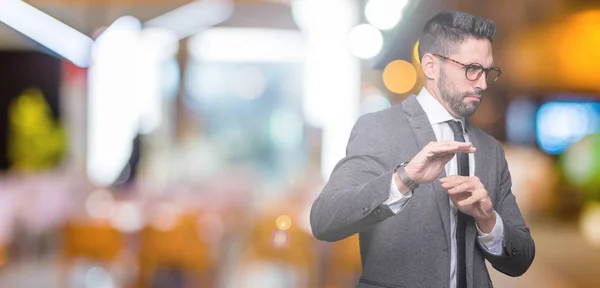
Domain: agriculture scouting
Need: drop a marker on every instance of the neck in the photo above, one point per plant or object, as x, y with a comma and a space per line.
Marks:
432, 89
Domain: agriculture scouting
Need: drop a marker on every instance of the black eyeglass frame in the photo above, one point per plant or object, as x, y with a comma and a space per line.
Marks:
475, 67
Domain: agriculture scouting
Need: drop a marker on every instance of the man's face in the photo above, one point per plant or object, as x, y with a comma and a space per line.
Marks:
462, 96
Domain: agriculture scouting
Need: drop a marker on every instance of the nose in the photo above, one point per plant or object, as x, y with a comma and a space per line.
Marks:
481, 83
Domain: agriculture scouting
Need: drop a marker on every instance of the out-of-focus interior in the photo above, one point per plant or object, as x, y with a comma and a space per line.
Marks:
154, 143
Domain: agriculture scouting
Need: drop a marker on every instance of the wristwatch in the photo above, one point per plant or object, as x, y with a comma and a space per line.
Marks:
409, 183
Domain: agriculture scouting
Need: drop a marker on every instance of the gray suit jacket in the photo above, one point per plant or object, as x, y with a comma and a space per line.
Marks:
412, 248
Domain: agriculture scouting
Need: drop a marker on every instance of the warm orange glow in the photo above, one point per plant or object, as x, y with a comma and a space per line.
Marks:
416, 61
578, 49
559, 56
283, 222
399, 76
415, 54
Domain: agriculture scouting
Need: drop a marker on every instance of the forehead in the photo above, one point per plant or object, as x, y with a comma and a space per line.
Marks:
475, 51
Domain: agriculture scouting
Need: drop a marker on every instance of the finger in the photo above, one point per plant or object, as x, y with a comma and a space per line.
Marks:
455, 178
453, 184
467, 149
468, 202
461, 143
475, 197
453, 181
449, 148
461, 188
452, 147
447, 144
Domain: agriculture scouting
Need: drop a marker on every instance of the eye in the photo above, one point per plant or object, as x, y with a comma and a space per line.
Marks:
474, 71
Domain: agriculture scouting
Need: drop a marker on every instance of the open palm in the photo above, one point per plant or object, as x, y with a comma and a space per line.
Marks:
427, 165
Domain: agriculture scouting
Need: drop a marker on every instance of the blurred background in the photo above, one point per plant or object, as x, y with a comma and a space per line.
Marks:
155, 143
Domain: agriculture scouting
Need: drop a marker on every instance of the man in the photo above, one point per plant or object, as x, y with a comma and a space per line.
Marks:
429, 193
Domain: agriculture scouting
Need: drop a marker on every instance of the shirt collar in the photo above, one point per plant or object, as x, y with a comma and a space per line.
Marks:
436, 113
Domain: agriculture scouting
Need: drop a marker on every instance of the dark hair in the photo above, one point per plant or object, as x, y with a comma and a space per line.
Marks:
447, 30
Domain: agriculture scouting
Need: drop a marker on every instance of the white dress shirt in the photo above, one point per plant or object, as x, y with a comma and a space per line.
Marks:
438, 115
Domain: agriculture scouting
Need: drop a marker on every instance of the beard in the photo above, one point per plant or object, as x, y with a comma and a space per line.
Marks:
455, 99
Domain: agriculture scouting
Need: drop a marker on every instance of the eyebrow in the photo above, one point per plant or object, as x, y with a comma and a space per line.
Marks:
484, 66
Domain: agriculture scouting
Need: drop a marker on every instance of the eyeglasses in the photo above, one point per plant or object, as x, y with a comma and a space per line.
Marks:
474, 71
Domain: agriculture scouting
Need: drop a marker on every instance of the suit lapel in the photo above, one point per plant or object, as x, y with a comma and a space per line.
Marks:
421, 128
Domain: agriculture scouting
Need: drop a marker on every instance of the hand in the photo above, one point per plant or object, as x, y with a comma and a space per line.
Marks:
470, 197
427, 165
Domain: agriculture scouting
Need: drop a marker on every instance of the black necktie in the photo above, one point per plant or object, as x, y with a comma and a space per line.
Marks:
461, 219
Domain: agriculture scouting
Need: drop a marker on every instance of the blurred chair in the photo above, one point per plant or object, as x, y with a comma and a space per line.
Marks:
177, 253
96, 241
275, 257
343, 268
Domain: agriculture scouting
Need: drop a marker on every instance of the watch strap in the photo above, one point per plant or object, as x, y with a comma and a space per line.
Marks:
409, 183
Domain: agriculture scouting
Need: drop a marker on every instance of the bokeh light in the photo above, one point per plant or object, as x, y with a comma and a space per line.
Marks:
384, 14
97, 277
581, 164
283, 222
280, 239
416, 62
250, 83
127, 217
100, 204
365, 41
534, 178
374, 102
520, 121
286, 129
399, 76
590, 223
165, 216
559, 124
415, 55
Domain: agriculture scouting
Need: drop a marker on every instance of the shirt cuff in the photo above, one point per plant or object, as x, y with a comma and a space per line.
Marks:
492, 242
397, 200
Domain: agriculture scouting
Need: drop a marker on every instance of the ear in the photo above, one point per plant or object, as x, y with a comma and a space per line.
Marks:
429, 64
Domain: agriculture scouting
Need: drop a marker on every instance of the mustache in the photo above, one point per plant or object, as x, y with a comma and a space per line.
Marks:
478, 91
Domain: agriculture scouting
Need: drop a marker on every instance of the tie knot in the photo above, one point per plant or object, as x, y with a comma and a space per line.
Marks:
456, 127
